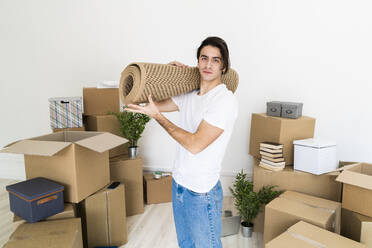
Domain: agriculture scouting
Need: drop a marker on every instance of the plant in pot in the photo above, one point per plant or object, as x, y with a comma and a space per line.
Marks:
248, 203
132, 126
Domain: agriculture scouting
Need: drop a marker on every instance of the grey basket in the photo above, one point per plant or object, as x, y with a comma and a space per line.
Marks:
291, 110
274, 108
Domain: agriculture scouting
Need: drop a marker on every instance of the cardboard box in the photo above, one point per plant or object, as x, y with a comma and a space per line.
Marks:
291, 207
306, 235
356, 227
68, 212
77, 160
100, 101
57, 234
157, 190
105, 217
315, 156
279, 130
68, 129
129, 172
357, 188
323, 186
106, 123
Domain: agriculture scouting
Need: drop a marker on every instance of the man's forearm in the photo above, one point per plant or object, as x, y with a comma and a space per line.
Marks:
184, 138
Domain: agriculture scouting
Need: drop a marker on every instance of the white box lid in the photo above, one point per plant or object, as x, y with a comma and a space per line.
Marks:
315, 143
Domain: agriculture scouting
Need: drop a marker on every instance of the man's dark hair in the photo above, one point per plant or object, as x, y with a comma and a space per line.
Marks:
222, 46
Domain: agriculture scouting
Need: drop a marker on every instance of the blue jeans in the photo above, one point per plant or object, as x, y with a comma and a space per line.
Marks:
197, 216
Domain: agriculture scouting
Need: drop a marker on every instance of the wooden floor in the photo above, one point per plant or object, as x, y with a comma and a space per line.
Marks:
152, 229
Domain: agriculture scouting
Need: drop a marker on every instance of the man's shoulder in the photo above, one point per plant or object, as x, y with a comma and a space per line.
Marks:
224, 95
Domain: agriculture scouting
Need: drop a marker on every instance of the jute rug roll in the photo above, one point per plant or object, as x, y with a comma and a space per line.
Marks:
138, 80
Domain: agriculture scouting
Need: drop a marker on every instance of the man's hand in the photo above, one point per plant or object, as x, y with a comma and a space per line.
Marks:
150, 109
176, 63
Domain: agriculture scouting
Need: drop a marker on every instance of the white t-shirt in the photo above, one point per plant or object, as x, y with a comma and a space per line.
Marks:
218, 107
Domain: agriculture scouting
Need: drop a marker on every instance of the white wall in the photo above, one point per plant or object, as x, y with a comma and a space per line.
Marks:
317, 52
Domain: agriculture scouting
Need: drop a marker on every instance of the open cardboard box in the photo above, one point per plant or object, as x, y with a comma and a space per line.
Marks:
357, 188
77, 160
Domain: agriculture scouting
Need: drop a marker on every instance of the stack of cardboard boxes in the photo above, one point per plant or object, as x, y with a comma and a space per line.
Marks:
310, 202
86, 163
77, 160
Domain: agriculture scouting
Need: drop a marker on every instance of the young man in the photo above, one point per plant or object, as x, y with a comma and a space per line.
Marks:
207, 119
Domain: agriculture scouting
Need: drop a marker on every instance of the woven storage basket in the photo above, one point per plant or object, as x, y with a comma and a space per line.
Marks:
138, 80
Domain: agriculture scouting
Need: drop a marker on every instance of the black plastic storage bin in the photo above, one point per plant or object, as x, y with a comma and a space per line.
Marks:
36, 199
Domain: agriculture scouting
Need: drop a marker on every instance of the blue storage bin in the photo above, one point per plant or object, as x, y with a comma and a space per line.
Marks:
36, 199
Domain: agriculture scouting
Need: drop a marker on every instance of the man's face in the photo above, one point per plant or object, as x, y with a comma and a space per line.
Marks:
210, 63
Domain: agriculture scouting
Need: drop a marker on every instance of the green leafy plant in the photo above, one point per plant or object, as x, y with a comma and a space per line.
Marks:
132, 125
267, 193
247, 202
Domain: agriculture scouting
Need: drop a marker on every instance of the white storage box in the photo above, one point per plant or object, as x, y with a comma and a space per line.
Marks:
66, 112
315, 156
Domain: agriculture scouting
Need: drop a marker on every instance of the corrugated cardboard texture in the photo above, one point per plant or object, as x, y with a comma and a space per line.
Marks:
138, 80
288, 209
55, 234
157, 190
105, 217
69, 212
356, 227
100, 101
305, 235
357, 188
106, 123
279, 130
129, 172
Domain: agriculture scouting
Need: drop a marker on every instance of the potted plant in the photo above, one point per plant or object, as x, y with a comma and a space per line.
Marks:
132, 126
248, 203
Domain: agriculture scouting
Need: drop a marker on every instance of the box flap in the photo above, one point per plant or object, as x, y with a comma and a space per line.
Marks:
102, 142
36, 147
356, 179
339, 170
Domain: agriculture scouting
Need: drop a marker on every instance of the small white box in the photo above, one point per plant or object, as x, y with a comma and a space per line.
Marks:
315, 156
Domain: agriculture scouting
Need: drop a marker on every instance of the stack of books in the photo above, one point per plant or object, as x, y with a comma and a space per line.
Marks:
272, 156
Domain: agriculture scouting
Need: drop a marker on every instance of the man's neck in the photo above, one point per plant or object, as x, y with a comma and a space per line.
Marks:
206, 86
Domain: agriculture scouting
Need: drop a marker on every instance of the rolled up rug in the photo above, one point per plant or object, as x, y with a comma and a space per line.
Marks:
138, 80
